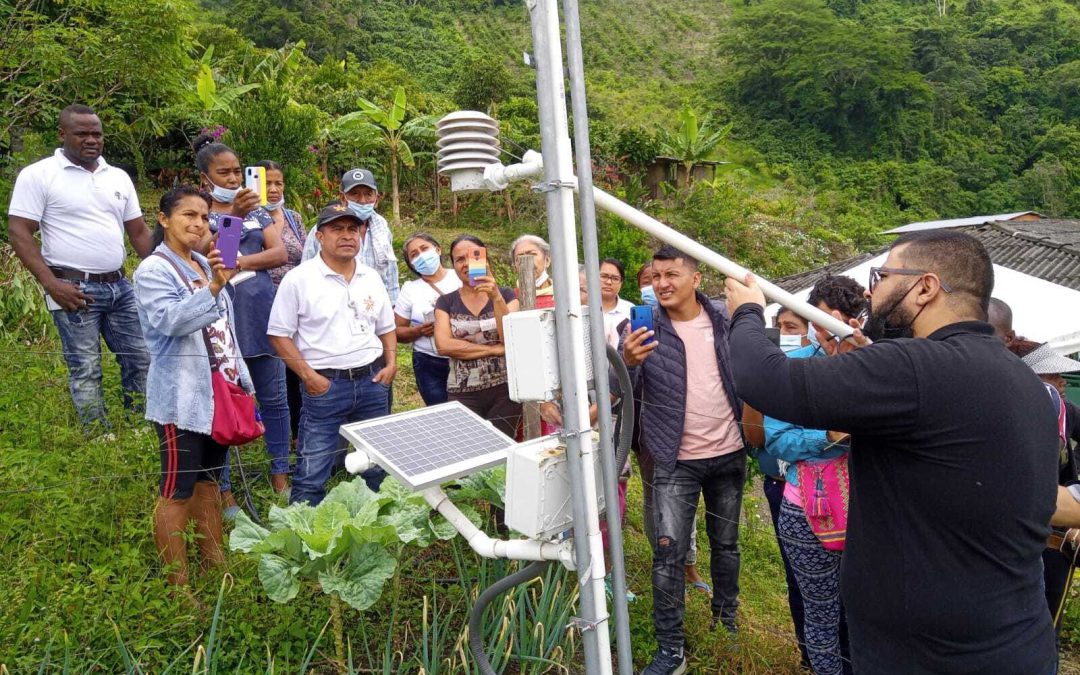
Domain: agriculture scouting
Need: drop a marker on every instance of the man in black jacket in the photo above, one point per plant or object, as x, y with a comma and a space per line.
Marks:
952, 464
690, 425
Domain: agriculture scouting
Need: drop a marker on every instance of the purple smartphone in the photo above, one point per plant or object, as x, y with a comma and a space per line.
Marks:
230, 229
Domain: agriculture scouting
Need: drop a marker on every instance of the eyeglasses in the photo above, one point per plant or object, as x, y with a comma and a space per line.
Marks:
879, 273
611, 278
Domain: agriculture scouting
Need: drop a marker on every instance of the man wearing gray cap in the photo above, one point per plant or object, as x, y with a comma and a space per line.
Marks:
333, 325
360, 194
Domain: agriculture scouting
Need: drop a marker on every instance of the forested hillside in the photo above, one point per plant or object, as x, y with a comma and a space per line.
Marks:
846, 117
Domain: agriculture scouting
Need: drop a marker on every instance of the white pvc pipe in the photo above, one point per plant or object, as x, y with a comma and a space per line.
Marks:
535, 169
714, 259
479, 541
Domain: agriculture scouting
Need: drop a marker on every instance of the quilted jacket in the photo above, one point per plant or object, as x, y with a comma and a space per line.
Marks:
660, 383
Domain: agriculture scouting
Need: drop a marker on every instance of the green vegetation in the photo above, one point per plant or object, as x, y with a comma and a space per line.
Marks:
836, 119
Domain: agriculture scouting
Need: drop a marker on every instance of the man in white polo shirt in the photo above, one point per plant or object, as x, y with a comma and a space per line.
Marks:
83, 207
333, 324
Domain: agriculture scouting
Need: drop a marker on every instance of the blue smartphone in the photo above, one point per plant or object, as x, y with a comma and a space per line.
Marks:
230, 230
641, 317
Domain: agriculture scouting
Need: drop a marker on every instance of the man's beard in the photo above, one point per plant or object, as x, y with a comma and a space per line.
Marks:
892, 321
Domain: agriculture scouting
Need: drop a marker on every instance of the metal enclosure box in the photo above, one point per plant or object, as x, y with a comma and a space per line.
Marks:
532, 354
538, 503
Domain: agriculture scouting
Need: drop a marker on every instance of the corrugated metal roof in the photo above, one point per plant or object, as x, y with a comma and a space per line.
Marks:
959, 222
1047, 249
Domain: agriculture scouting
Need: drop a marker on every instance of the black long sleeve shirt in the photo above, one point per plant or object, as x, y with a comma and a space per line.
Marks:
953, 477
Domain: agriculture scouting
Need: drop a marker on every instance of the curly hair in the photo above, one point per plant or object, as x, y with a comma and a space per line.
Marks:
1022, 347
841, 293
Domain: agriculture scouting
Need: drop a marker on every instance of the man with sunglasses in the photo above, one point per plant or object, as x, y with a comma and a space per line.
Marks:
951, 485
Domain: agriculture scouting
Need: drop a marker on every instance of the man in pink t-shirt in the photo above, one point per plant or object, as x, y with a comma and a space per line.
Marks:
690, 425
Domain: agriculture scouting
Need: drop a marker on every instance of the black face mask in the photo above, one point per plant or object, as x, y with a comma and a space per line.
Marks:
879, 325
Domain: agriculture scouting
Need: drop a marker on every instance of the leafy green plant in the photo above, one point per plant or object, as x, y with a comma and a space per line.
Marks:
341, 545
692, 141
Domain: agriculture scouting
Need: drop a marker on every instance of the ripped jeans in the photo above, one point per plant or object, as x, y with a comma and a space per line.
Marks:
675, 497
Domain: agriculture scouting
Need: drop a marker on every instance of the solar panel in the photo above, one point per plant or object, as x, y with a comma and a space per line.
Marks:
428, 446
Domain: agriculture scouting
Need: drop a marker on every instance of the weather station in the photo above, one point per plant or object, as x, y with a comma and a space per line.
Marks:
556, 485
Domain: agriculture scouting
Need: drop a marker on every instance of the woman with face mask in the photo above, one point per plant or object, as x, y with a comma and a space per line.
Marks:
648, 293
541, 252
290, 228
414, 313
288, 224
261, 250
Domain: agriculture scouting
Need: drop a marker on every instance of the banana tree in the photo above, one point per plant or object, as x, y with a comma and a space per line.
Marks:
210, 97
692, 142
374, 129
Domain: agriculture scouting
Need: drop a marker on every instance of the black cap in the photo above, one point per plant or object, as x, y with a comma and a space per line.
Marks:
354, 177
334, 212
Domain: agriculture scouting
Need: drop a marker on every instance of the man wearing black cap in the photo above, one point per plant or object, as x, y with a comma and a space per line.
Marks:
952, 464
360, 194
333, 324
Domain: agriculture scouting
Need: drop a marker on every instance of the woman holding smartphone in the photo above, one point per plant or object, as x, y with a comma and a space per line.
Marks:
414, 313
290, 228
184, 312
468, 330
261, 249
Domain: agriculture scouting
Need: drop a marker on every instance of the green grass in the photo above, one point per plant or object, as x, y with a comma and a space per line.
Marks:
75, 538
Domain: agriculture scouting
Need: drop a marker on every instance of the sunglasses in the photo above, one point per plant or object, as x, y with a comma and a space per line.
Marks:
879, 273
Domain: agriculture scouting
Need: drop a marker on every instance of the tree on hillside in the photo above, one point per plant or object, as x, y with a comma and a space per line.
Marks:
692, 141
374, 129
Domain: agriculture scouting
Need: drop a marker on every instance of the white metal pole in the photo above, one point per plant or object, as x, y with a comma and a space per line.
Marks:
570, 333
589, 244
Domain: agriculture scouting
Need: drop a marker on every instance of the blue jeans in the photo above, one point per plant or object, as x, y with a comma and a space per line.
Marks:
111, 315
431, 375
321, 445
268, 376
675, 498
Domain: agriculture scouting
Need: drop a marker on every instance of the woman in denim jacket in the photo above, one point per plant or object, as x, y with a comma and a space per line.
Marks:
179, 295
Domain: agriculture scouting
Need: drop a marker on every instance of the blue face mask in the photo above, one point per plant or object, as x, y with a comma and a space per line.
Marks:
222, 195
426, 262
362, 211
811, 335
648, 296
274, 206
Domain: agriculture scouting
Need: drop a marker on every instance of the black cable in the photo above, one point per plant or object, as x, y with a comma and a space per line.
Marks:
626, 417
476, 616
249, 505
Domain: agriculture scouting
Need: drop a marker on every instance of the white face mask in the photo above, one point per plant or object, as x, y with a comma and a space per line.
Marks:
222, 195
542, 279
791, 342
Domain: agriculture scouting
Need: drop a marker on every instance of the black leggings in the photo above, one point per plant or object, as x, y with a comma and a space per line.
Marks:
494, 405
187, 457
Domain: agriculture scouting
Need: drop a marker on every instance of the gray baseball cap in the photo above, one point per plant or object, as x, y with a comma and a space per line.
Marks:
354, 177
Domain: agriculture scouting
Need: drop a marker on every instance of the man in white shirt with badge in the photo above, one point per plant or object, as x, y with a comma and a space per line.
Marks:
83, 207
333, 324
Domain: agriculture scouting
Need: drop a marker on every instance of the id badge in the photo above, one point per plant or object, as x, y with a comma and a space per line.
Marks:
358, 326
